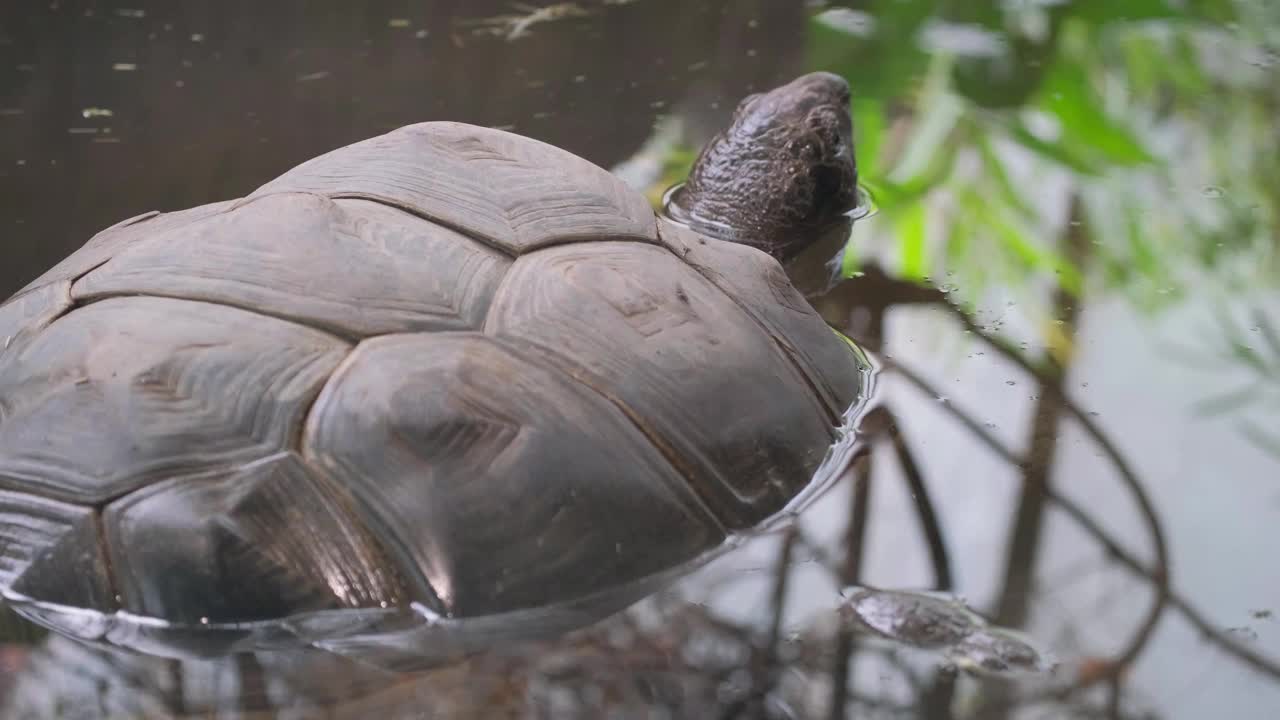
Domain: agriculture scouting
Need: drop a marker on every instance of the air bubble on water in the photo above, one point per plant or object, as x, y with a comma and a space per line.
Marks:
204, 621
124, 67
1212, 191
1010, 382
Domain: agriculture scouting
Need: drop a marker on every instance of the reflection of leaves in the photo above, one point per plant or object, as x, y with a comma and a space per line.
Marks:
995, 168
1232, 401
1260, 438
1263, 363
1103, 12
1017, 243
1267, 331
1086, 129
1055, 152
1132, 107
911, 225
885, 64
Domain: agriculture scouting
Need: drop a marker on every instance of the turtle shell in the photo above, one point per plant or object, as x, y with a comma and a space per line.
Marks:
448, 372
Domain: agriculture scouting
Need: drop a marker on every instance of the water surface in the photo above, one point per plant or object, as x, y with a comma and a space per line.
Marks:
1069, 281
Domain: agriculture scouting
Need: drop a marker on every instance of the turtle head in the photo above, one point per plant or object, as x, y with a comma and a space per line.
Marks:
782, 175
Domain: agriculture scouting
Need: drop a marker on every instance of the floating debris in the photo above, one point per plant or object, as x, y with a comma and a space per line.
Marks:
1245, 632
124, 67
513, 27
131, 13
942, 623
399, 23
11, 112
197, 37
314, 76
83, 130
92, 112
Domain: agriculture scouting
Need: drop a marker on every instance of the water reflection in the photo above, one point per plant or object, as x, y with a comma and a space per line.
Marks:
207, 102
1086, 186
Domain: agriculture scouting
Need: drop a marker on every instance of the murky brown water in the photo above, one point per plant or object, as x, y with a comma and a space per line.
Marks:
1070, 282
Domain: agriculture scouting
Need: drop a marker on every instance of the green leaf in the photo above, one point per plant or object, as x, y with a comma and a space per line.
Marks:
868, 131
1268, 331
1228, 402
850, 262
1102, 12
1142, 257
1269, 444
1068, 95
1054, 152
881, 66
910, 223
995, 168
1019, 246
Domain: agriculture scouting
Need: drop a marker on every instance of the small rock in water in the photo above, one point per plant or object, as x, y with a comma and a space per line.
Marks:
999, 651
943, 623
923, 620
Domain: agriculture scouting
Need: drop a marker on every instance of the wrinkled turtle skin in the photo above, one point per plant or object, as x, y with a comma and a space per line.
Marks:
441, 388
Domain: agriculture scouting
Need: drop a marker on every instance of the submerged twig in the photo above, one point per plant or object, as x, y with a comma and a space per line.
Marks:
850, 570
1085, 520
929, 524
1160, 573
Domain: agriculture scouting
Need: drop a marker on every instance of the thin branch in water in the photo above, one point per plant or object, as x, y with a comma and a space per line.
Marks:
929, 525
1160, 574
850, 570
1085, 520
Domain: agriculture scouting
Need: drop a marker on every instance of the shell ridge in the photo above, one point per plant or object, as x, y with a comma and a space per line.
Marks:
664, 449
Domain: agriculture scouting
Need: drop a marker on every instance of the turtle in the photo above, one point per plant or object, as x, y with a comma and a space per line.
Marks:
434, 391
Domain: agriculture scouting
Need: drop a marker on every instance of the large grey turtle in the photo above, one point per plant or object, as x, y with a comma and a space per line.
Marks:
436, 389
